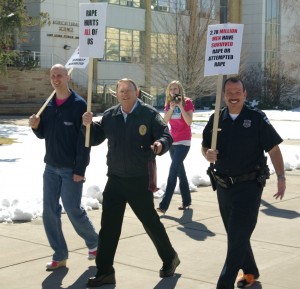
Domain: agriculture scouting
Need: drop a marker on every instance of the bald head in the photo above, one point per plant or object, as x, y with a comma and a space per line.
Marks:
59, 79
60, 67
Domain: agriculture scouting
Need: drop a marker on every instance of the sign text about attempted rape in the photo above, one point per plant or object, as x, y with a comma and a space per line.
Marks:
223, 49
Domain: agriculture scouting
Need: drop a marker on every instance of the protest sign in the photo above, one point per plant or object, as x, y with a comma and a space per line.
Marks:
223, 49
222, 57
92, 23
76, 61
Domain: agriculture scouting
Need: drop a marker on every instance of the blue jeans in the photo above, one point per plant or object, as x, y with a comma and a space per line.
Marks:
178, 153
58, 183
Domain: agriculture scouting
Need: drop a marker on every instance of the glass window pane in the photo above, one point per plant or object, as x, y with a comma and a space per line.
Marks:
268, 10
154, 46
112, 44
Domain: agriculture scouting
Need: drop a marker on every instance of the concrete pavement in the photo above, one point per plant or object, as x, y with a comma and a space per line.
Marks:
197, 235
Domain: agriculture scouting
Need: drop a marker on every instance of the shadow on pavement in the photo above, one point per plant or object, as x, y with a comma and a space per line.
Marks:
256, 285
270, 210
168, 283
193, 229
55, 279
6, 130
9, 160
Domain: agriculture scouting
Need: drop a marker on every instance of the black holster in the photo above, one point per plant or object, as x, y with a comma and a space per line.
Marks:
211, 173
263, 173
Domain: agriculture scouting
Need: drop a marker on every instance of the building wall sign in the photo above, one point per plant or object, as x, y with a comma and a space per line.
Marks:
64, 29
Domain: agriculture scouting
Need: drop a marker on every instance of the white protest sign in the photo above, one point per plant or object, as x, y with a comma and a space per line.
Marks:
76, 61
92, 22
223, 49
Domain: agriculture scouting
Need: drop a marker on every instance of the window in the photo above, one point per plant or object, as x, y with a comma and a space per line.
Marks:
272, 39
112, 50
122, 45
129, 3
125, 45
173, 6
207, 8
163, 48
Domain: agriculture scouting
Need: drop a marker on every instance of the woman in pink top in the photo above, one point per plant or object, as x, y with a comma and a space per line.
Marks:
179, 114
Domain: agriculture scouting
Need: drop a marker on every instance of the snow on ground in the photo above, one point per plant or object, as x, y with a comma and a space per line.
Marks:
21, 165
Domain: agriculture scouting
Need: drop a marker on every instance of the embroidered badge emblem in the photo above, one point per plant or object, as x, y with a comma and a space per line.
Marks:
247, 123
142, 129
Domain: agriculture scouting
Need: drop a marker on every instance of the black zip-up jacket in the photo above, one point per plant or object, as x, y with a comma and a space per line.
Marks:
129, 151
60, 127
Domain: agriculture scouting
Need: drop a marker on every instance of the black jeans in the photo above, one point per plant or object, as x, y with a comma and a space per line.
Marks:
134, 191
239, 207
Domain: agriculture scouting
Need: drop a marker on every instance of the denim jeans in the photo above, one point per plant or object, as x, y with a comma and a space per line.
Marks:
178, 153
58, 183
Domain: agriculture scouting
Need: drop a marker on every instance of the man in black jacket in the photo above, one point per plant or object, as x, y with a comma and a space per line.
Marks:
135, 133
66, 160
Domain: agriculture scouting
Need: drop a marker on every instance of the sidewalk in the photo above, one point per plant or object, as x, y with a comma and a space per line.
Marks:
197, 235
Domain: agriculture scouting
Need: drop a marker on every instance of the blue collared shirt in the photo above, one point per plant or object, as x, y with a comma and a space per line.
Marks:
126, 114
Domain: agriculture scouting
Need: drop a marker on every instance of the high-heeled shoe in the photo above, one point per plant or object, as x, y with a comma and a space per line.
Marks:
182, 208
159, 210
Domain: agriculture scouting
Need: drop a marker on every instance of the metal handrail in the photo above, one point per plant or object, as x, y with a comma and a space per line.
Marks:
146, 97
112, 92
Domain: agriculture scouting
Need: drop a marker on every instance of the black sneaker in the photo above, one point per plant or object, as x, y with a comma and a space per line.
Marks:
246, 280
168, 269
100, 280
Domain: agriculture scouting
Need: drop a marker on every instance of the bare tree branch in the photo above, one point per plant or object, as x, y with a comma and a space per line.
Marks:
187, 33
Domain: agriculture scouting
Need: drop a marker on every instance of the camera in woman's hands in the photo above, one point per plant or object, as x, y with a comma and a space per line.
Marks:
177, 98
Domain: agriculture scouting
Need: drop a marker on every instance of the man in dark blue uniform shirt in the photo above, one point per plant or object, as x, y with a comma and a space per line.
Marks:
240, 172
135, 133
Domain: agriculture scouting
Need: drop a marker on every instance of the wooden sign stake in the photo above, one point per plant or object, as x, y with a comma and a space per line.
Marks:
89, 101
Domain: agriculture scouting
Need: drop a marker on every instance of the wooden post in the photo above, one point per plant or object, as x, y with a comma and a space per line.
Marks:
210, 170
217, 112
89, 100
